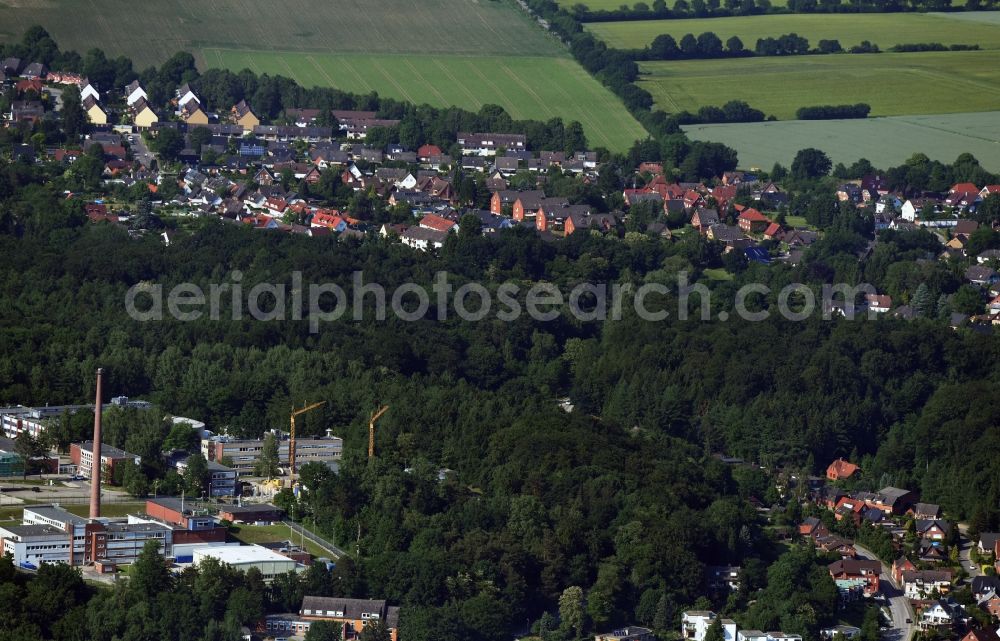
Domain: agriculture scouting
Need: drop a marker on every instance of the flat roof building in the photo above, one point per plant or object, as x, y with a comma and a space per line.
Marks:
242, 454
244, 557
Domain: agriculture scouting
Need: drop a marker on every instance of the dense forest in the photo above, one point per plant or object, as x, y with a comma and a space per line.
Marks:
620, 497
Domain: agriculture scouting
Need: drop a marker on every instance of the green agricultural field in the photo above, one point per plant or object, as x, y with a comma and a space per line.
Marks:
894, 84
884, 29
884, 141
527, 87
151, 32
443, 52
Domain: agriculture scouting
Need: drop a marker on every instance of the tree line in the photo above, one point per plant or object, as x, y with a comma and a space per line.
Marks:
658, 10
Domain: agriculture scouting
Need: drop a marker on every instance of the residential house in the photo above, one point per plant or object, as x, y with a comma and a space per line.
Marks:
812, 527
923, 584
437, 223
878, 303
931, 551
988, 542
506, 198
35, 70
984, 585
11, 66
30, 111
942, 613
634, 633
328, 219
849, 192
354, 614
487, 144
302, 117
527, 203
752, 221
587, 221
426, 152
88, 90
926, 511
423, 238
934, 530
723, 578
725, 233
853, 575
988, 255
184, 95
837, 545
983, 634
651, 168
192, 113
840, 631
724, 195
95, 113
703, 219
143, 115
242, 115
893, 500
981, 275
552, 213
800, 238
841, 469
751, 635
695, 623
134, 93
901, 565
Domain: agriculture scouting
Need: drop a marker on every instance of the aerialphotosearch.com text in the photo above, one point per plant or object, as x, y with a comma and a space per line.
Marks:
319, 303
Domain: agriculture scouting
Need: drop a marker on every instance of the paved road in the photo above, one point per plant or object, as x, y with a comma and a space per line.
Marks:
140, 151
964, 550
898, 604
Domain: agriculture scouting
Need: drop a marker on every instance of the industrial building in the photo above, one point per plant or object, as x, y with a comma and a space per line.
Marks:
252, 513
82, 456
242, 454
352, 614
34, 420
244, 557
222, 480
50, 534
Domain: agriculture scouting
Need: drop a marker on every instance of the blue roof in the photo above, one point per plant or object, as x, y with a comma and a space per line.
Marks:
758, 254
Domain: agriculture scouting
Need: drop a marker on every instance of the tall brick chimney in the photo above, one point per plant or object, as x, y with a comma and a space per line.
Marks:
95, 474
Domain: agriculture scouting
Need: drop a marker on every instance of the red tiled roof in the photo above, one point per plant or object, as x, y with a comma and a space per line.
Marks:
753, 215
435, 222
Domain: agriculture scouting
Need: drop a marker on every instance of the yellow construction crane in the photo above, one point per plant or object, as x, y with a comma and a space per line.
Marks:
291, 434
371, 429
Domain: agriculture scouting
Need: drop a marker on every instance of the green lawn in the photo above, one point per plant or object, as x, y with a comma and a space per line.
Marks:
884, 141
884, 29
527, 87
718, 274
892, 83
269, 533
